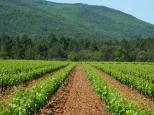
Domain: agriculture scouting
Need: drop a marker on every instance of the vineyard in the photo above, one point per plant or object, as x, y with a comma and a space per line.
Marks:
72, 88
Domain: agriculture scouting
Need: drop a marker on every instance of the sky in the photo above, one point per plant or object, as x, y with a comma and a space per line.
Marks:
141, 9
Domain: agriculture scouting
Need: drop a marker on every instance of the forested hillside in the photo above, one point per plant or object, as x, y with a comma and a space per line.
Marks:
40, 17
62, 48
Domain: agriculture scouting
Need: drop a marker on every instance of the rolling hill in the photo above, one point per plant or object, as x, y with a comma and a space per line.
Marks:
40, 17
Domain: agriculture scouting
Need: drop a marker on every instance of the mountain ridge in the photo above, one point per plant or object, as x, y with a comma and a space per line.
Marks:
40, 17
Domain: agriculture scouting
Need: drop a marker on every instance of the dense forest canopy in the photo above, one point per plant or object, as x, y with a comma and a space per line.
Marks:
40, 17
63, 48
79, 32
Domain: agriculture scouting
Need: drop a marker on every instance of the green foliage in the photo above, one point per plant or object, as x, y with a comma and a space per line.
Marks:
113, 98
72, 56
16, 72
28, 101
141, 56
63, 48
139, 82
141, 70
40, 17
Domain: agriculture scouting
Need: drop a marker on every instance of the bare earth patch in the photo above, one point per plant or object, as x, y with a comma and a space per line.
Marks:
75, 97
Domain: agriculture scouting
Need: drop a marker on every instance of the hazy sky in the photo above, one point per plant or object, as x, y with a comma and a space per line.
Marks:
142, 9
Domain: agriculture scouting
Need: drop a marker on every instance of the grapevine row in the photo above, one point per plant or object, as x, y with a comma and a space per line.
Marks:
144, 86
113, 98
33, 73
27, 102
9, 67
145, 71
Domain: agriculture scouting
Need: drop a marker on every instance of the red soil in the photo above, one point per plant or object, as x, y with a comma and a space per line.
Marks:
75, 97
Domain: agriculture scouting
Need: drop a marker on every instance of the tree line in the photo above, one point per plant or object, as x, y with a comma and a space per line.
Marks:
64, 48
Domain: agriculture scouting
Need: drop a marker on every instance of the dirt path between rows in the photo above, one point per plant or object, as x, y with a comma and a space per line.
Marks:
24, 86
128, 93
75, 97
